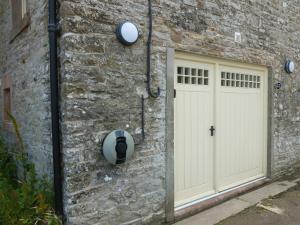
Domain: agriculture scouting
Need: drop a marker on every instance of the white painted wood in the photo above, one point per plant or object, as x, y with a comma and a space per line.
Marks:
193, 143
237, 154
240, 125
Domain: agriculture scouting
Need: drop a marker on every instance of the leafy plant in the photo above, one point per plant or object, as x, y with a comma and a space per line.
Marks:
25, 200
17, 131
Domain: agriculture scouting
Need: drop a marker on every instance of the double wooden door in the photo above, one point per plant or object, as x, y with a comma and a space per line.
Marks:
220, 126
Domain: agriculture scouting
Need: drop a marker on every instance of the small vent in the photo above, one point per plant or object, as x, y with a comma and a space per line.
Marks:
240, 80
193, 76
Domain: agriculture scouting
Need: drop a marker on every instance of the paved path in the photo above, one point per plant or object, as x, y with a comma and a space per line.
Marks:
275, 204
280, 210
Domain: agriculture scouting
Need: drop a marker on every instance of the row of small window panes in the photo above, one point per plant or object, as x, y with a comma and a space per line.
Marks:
237, 76
192, 80
187, 71
240, 80
187, 75
242, 84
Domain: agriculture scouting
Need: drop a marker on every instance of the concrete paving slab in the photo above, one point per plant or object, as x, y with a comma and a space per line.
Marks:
216, 214
273, 189
288, 203
232, 207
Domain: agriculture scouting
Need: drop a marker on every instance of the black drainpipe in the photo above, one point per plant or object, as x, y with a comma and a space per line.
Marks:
52, 29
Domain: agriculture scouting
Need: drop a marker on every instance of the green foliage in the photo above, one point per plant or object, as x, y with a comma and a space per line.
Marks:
17, 131
25, 200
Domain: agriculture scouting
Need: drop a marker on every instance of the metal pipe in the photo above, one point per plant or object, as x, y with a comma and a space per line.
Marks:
57, 162
143, 117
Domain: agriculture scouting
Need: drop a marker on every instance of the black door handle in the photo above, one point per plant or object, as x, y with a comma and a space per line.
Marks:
212, 130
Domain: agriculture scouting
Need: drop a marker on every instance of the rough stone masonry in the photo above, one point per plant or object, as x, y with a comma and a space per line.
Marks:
102, 83
25, 60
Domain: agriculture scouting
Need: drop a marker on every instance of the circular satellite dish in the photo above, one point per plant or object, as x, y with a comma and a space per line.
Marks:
127, 33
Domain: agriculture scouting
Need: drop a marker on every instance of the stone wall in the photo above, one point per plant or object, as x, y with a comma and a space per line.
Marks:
102, 83
25, 59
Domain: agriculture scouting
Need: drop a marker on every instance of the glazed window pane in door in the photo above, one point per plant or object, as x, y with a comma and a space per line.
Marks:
240, 80
196, 76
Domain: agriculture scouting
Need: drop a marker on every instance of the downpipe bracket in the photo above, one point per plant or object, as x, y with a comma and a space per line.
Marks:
53, 28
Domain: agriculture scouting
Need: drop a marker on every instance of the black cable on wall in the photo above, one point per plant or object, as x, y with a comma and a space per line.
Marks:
149, 47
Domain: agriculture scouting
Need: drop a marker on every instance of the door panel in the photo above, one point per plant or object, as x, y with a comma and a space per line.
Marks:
193, 145
240, 126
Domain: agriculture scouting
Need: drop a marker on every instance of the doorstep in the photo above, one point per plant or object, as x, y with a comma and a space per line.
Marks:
229, 208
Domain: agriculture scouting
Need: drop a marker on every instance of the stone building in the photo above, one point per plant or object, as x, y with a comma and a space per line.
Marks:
227, 117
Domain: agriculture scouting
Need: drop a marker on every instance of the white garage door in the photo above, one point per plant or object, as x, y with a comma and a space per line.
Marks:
220, 126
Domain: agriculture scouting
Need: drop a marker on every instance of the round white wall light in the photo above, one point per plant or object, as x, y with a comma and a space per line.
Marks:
127, 33
289, 66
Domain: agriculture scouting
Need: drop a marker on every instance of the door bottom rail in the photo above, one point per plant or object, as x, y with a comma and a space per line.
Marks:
194, 207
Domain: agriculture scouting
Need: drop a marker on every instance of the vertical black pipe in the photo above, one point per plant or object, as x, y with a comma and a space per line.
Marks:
143, 117
52, 29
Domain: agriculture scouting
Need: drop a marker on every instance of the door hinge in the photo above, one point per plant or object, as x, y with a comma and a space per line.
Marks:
175, 93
